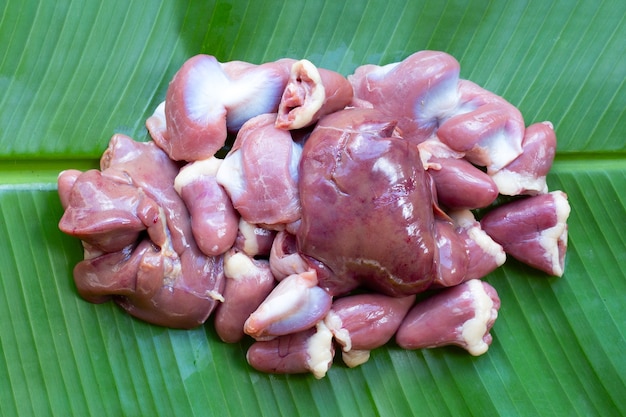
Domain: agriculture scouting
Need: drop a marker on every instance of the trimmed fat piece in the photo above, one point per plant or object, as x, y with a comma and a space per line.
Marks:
461, 315
533, 230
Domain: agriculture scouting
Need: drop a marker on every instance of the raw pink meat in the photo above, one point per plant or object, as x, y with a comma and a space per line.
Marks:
533, 230
260, 174
366, 204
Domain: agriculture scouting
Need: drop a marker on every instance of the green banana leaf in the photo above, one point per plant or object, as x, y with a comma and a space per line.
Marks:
74, 72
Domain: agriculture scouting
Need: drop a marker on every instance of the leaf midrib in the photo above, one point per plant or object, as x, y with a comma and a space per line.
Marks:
24, 171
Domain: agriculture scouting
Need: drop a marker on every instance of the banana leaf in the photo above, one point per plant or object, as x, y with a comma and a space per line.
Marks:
73, 73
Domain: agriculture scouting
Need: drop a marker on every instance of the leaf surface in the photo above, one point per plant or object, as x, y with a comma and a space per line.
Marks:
73, 73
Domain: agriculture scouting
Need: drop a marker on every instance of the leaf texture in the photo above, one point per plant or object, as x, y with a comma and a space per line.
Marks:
74, 72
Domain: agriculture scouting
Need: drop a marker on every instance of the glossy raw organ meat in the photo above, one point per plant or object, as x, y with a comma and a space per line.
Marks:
206, 99
260, 173
104, 213
419, 92
459, 184
527, 173
310, 350
295, 304
214, 221
366, 204
339, 201
533, 230
485, 127
254, 240
310, 94
363, 322
452, 255
248, 282
162, 278
461, 315
285, 259
484, 255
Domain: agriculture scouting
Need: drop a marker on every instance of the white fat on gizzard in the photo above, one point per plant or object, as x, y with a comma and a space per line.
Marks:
474, 329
